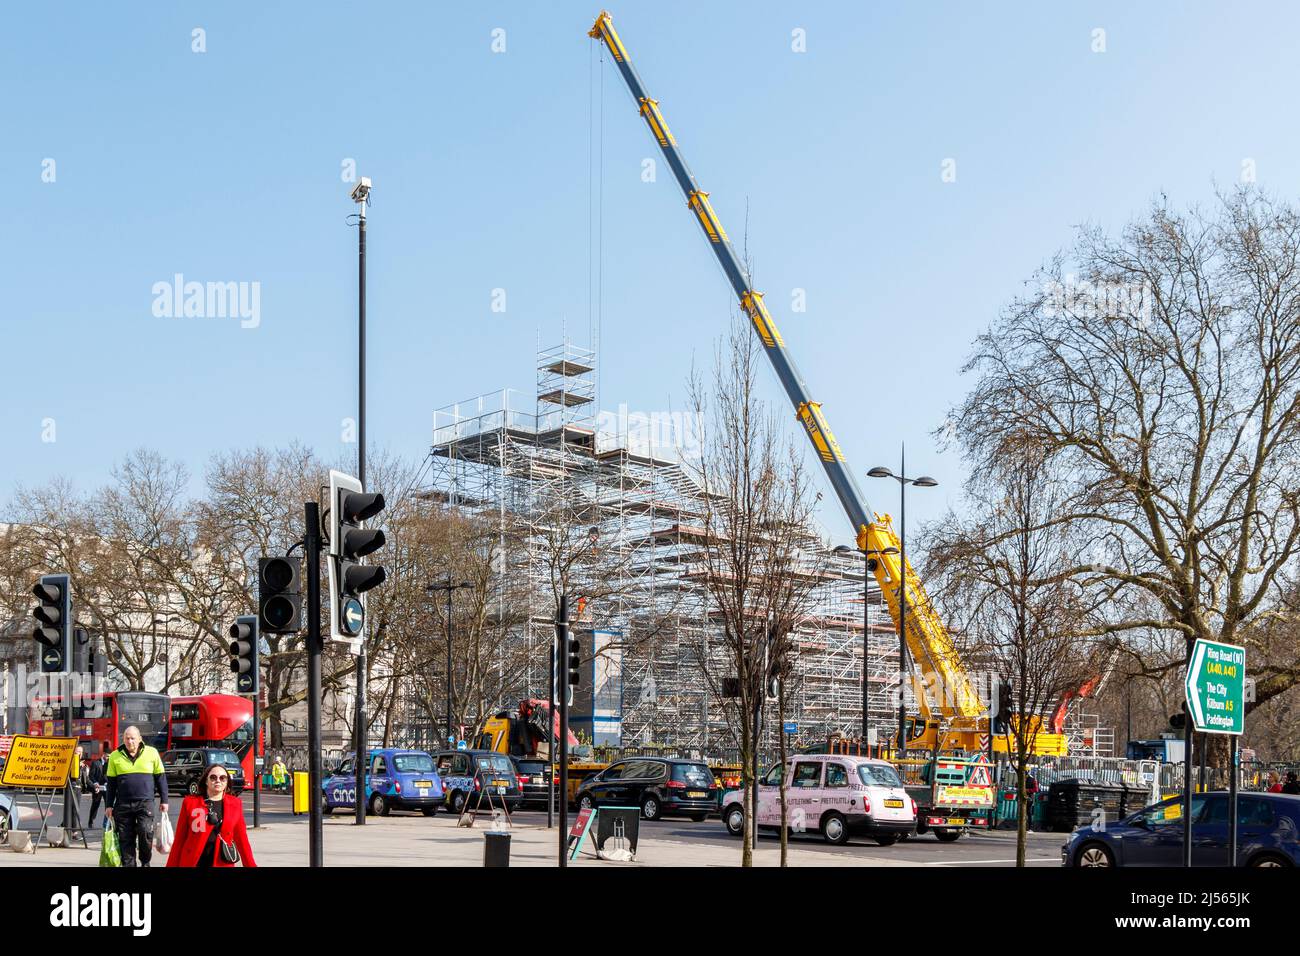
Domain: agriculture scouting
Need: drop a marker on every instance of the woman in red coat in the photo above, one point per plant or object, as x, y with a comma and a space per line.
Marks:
206, 823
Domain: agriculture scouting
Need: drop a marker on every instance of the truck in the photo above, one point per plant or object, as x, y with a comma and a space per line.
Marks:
531, 731
952, 791
956, 718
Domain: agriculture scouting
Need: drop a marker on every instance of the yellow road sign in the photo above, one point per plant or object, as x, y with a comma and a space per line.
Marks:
39, 762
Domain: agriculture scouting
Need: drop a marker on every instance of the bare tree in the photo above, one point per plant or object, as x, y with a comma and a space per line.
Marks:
1161, 368
1003, 577
759, 507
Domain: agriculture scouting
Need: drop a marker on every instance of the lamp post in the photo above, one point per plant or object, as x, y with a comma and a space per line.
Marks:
361, 196
167, 657
866, 628
449, 588
924, 481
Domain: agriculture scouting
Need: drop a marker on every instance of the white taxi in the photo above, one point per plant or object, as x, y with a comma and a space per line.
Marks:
833, 794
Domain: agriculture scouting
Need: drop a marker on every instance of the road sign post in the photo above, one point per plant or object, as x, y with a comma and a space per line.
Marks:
1216, 704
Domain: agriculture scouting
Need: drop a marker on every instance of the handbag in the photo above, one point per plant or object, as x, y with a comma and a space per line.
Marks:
229, 852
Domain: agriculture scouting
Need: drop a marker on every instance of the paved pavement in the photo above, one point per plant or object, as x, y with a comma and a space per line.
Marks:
413, 840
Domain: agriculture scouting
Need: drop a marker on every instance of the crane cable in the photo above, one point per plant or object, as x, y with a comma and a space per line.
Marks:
596, 217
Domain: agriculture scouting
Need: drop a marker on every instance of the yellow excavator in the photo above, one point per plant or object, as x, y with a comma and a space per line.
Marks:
957, 719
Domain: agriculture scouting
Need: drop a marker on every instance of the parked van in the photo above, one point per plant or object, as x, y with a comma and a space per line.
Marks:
834, 794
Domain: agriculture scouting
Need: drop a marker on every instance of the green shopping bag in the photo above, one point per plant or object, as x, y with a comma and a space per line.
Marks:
110, 854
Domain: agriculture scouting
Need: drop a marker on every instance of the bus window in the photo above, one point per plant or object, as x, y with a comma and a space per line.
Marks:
150, 712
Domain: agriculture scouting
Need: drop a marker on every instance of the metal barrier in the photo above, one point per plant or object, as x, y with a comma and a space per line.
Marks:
1148, 774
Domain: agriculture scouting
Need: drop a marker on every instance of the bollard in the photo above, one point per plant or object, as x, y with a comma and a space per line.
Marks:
301, 793
496, 848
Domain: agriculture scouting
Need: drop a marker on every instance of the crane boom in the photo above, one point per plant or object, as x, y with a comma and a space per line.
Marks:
809, 412
928, 640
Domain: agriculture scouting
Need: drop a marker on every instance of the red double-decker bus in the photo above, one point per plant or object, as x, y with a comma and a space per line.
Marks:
99, 717
215, 720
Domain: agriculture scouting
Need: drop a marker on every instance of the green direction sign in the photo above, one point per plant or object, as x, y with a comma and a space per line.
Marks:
1216, 687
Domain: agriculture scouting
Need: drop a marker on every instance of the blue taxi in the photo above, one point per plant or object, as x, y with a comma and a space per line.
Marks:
481, 778
396, 780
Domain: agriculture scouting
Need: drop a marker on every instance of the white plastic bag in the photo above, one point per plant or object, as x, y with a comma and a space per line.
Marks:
163, 834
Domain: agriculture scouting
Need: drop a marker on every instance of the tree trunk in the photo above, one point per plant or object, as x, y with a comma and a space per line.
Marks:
780, 707
1022, 808
750, 784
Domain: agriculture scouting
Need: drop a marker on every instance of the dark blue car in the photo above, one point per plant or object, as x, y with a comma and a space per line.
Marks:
1268, 834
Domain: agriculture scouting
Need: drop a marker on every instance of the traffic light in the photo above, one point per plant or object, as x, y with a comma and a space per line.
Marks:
573, 649
53, 621
279, 595
82, 652
1002, 713
243, 653
1178, 721
349, 506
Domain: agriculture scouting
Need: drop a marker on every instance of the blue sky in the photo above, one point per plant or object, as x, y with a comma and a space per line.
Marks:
225, 166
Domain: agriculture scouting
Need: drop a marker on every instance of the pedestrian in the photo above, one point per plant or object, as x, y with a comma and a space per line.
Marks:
135, 776
279, 774
97, 779
210, 830
1292, 785
83, 770
1274, 784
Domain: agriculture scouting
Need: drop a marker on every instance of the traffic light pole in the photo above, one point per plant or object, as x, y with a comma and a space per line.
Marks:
311, 545
1188, 737
360, 733
550, 747
562, 692
257, 760
69, 793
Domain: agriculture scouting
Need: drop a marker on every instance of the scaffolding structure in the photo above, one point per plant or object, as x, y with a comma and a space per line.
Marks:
548, 476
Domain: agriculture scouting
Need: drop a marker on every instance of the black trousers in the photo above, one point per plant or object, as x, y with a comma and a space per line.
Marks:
134, 824
96, 801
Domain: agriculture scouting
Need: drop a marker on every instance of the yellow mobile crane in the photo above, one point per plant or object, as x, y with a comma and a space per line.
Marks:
958, 720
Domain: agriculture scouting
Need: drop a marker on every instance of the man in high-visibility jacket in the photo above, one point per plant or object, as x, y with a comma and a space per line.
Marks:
135, 775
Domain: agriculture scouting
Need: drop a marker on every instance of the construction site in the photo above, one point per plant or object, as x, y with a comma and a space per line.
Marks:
527, 462
508, 454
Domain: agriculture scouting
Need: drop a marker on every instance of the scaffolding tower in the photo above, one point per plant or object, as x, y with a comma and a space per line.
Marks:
524, 461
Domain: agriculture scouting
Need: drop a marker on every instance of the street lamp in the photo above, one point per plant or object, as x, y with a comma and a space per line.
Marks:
167, 657
924, 481
866, 627
361, 196
449, 588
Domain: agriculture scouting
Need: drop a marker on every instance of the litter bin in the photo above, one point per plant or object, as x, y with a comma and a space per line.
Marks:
496, 848
301, 792
1075, 803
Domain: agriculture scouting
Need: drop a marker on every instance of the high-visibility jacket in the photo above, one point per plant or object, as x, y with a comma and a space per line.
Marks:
137, 778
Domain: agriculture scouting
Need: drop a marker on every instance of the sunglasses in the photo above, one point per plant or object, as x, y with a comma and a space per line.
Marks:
218, 777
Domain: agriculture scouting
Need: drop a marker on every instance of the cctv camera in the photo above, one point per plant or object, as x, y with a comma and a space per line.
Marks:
361, 191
